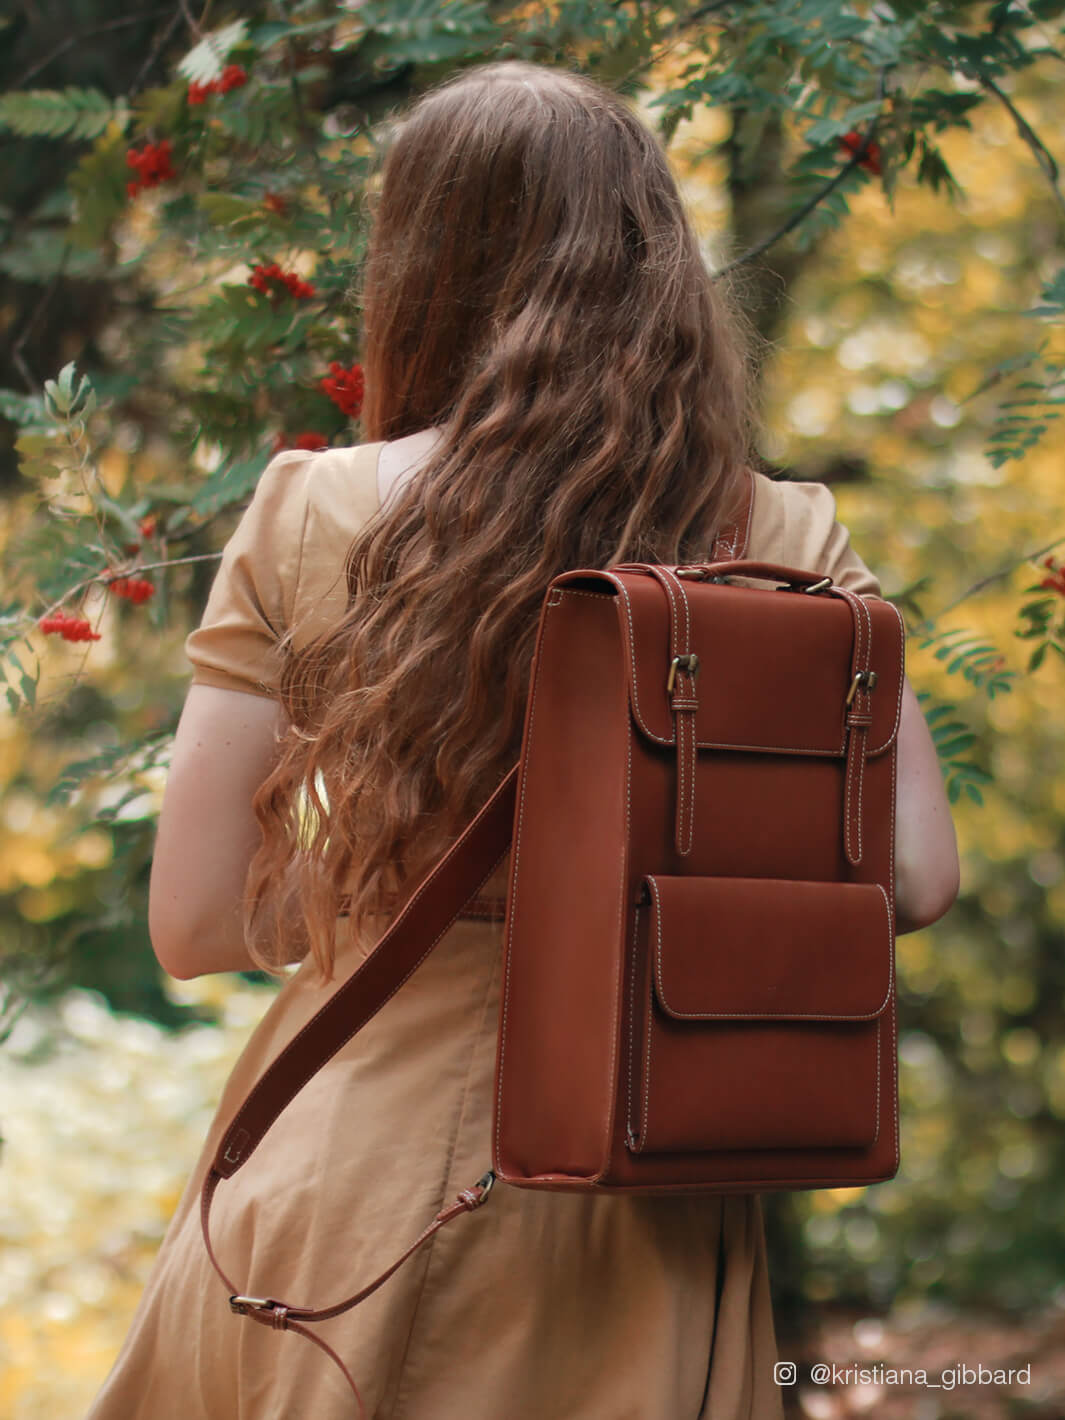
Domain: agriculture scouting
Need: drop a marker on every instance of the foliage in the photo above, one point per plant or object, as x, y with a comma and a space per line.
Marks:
1026, 419
839, 139
75, 113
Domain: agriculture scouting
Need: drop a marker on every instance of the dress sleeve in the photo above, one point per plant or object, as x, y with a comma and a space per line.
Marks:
795, 523
251, 600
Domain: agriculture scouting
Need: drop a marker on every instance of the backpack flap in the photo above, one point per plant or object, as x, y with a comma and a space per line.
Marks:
756, 1014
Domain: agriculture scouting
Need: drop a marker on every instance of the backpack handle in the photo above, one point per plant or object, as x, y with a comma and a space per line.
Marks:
762, 571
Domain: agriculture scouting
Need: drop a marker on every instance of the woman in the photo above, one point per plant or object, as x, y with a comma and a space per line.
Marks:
552, 382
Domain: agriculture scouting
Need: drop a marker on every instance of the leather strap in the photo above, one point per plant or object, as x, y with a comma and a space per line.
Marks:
858, 718
425, 918
683, 700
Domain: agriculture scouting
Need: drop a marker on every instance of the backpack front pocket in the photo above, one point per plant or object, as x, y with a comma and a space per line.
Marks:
755, 1008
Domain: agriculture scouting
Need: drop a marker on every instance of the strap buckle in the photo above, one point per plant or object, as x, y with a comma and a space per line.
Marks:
243, 1305
864, 680
689, 663
486, 1183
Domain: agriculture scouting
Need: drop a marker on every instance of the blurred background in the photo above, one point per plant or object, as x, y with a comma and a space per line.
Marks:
879, 185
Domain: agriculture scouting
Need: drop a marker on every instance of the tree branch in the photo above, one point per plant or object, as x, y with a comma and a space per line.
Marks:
35, 316
74, 40
160, 42
104, 579
799, 216
809, 206
1043, 157
988, 581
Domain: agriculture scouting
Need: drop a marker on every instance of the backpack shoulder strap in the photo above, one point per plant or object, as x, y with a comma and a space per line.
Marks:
731, 541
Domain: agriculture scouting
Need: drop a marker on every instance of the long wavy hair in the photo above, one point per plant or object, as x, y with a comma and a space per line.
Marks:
534, 291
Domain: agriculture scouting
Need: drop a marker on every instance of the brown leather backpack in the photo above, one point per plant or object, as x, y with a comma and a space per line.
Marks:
699, 988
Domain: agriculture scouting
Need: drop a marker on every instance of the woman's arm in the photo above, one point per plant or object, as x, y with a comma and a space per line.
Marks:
226, 744
927, 875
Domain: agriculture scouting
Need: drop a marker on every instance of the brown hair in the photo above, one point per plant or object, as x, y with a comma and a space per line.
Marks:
532, 288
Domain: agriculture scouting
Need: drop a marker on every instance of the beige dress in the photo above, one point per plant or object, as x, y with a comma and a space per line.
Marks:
540, 1306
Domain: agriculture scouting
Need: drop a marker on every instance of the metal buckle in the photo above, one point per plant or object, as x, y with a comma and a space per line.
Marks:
243, 1305
689, 663
864, 680
486, 1183
819, 586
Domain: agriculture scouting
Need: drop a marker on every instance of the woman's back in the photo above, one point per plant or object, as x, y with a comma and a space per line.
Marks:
541, 1304
534, 296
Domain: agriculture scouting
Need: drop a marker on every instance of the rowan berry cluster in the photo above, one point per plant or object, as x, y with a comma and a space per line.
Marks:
345, 387
271, 280
232, 77
1056, 581
134, 589
71, 628
152, 165
870, 159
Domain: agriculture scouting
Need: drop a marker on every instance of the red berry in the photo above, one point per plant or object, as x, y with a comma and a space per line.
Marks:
134, 589
153, 166
870, 159
71, 628
268, 280
233, 77
345, 387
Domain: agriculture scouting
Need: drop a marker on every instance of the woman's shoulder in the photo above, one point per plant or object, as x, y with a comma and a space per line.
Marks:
335, 494
795, 523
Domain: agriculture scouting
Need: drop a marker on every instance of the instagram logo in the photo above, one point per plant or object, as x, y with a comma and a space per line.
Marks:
784, 1373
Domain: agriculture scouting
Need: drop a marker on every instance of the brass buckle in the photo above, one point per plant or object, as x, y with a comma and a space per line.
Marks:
864, 680
689, 663
243, 1305
820, 587
486, 1183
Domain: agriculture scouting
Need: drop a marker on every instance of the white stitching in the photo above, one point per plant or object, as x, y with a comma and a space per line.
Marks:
856, 756
685, 753
632, 1015
849, 733
620, 955
647, 1046
871, 751
511, 916
766, 1015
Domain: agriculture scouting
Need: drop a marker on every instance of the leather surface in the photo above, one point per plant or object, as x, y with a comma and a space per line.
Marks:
754, 1046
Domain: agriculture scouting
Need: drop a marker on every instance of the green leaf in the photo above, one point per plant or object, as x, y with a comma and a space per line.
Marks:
425, 31
43, 254
98, 186
953, 747
228, 484
49, 113
221, 208
109, 762
21, 408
